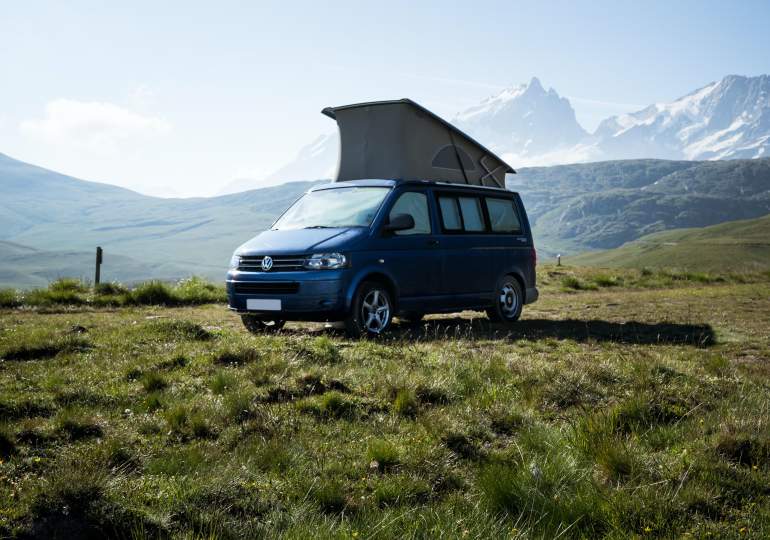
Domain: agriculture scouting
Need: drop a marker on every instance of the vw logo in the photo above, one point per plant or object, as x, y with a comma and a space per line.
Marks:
267, 263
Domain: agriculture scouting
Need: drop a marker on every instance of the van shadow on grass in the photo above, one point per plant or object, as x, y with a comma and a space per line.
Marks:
630, 332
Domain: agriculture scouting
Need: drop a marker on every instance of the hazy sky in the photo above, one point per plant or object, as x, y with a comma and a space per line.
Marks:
182, 97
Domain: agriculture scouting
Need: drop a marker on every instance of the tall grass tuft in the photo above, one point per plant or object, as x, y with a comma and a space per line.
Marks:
69, 291
153, 293
576, 284
10, 298
196, 290
222, 382
382, 454
7, 442
550, 492
153, 381
405, 402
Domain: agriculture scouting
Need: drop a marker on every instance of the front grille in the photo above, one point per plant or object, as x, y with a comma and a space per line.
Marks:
267, 287
281, 263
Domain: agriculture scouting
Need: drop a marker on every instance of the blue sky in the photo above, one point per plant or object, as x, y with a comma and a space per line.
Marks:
182, 97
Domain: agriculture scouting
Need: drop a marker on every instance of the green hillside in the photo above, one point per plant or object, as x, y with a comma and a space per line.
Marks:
26, 267
736, 245
576, 208
572, 209
171, 237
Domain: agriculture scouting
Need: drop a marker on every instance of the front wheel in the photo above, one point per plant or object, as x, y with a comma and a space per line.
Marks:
509, 300
371, 312
257, 325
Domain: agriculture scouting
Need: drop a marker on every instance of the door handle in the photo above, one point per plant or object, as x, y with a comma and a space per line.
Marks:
432, 242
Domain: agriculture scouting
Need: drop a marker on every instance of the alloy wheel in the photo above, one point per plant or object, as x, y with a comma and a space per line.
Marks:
375, 311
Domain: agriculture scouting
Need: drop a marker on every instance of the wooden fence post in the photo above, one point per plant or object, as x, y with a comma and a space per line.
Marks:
98, 273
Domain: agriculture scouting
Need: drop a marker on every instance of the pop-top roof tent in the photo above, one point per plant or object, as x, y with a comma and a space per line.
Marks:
403, 140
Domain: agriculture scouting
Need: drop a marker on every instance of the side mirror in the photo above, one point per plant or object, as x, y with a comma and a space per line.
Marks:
399, 222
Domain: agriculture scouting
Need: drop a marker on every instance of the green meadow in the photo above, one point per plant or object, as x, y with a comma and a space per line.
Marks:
625, 403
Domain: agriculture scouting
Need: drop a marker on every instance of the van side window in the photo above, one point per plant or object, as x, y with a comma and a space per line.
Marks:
450, 213
461, 213
416, 205
502, 216
470, 207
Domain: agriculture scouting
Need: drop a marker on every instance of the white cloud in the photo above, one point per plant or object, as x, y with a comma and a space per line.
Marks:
98, 126
142, 97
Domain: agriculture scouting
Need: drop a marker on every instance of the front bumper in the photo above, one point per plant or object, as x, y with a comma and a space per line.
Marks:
317, 295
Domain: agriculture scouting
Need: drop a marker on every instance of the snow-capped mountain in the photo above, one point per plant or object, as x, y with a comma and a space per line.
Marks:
723, 120
524, 123
528, 126
317, 160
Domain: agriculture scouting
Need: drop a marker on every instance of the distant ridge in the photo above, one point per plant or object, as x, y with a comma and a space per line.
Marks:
732, 246
572, 208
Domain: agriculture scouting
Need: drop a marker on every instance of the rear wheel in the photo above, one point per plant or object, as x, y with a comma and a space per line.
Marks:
372, 311
258, 325
509, 300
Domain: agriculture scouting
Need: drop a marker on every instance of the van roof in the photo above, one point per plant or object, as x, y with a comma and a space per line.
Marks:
380, 182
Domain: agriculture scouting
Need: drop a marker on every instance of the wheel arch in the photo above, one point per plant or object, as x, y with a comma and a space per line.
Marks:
517, 275
377, 275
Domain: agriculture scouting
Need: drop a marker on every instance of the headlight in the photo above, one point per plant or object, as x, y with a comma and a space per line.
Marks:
235, 262
326, 261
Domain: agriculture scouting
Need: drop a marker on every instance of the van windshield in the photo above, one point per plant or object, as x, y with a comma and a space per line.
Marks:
331, 208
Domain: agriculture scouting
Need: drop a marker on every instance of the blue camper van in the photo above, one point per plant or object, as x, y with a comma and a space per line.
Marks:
364, 251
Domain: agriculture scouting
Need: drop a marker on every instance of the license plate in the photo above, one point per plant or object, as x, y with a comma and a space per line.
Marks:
263, 304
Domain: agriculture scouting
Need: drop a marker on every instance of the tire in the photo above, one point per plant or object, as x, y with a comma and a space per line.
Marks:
257, 325
371, 312
411, 317
509, 300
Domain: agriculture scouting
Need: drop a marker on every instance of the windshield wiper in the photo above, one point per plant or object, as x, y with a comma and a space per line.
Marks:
319, 227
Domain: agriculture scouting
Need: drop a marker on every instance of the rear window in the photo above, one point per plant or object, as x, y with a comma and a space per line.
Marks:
461, 214
503, 216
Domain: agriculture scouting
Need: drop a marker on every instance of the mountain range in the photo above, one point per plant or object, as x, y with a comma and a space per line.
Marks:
50, 223
713, 141
530, 126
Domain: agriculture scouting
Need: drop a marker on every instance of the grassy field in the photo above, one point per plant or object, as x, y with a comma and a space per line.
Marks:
737, 245
624, 404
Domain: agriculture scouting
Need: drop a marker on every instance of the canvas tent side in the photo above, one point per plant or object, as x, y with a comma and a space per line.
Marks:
403, 140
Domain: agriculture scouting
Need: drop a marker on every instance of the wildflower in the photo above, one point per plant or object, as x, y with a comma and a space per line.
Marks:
355, 534
743, 530
754, 467
36, 459
647, 530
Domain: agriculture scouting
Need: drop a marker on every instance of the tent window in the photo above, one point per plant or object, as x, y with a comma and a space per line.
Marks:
446, 158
